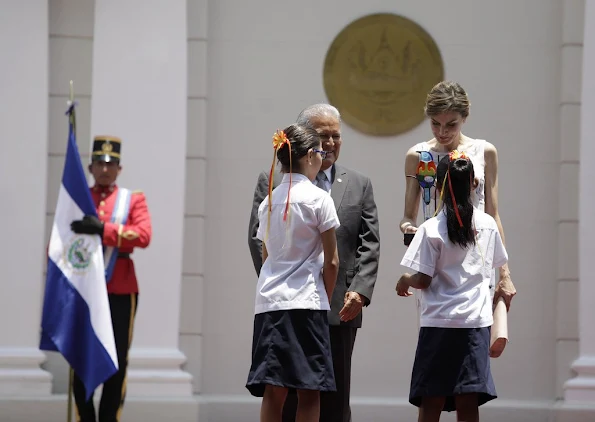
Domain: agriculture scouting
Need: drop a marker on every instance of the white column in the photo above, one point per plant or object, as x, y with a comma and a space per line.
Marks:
581, 389
23, 119
139, 94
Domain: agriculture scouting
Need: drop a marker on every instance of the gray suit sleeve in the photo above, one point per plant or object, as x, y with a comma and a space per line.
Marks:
368, 253
260, 192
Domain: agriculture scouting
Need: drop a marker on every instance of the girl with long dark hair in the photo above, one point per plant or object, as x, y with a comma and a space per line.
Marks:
453, 255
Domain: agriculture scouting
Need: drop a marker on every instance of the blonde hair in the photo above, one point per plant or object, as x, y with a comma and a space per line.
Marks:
447, 96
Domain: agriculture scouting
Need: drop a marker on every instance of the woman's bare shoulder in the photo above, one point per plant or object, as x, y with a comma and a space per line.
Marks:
490, 153
490, 148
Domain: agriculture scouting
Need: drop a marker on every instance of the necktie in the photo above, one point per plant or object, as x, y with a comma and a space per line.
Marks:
321, 180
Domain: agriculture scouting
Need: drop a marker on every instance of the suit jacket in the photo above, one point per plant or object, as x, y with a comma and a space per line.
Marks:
136, 233
358, 239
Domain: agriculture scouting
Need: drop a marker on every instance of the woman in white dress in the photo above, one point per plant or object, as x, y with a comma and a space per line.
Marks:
447, 106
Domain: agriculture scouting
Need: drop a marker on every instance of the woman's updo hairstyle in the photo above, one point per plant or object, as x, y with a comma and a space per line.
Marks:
447, 96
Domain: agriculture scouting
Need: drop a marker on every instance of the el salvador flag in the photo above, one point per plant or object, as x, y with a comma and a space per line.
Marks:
76, 318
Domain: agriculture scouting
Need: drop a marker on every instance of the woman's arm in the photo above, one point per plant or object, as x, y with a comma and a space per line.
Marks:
412, 193
331, 261
505, 287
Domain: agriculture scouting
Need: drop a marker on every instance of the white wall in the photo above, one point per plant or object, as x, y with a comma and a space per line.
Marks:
265, 64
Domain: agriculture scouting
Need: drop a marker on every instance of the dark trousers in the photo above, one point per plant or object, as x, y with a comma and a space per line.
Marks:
334, 406
123, 310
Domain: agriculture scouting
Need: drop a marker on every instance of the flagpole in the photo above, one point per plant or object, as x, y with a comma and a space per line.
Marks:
70, 371
70, 381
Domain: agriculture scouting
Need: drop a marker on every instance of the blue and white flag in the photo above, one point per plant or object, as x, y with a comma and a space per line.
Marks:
76, 318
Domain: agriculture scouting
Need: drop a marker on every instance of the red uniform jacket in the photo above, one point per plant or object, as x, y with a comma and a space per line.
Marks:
136, 233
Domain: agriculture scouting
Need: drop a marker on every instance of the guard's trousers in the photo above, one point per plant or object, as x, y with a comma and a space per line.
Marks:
123, 310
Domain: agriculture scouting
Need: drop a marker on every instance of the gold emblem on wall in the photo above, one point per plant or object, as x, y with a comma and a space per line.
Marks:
378, 72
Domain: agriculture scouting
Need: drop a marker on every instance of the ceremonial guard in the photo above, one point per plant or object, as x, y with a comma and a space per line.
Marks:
124, 223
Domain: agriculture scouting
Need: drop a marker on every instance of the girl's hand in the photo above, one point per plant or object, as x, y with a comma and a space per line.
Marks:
403, 286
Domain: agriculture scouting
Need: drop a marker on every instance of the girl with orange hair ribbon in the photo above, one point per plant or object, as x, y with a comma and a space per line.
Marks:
453, 255
291, 341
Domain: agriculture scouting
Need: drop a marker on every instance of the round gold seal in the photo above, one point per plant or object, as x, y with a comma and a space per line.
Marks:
378, 72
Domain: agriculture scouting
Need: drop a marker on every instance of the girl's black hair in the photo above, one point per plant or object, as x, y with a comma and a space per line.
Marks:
461, 176
302, 139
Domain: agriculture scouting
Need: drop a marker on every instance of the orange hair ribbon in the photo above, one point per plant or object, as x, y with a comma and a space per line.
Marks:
279, 140
455, 155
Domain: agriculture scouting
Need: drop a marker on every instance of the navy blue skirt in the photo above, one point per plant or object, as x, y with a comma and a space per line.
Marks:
291, 349
452, 361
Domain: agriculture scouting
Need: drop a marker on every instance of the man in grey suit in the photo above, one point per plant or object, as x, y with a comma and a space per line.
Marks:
358, 243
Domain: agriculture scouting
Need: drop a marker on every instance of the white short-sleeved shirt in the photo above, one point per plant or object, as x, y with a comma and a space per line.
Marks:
291, 276
459, 295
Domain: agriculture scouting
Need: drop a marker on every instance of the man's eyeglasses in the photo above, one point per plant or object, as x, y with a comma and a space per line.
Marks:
321, 152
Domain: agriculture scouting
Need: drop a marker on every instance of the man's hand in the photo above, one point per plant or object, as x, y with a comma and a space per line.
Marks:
88, 225
505, 290
403, 286
353, 304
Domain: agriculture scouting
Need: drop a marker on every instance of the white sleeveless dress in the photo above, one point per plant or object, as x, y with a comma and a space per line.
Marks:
475, 151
